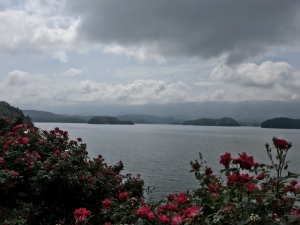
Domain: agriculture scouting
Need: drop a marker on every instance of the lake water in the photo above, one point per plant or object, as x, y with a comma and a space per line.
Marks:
162, 153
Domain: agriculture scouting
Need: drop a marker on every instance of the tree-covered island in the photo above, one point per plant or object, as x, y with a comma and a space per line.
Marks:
282, 122
108, 120
225, 121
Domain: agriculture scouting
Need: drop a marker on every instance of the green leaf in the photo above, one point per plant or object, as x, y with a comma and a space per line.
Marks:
293, 218
226, 200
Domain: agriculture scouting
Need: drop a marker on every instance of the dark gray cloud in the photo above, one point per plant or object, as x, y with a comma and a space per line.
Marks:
192, 28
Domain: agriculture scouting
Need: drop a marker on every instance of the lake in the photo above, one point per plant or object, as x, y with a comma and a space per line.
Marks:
162, 153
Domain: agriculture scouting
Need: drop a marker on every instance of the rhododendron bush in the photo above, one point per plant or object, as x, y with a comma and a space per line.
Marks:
46, 178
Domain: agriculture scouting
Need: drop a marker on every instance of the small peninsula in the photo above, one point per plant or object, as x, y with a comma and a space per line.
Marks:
108, 120
282, 122
225, 121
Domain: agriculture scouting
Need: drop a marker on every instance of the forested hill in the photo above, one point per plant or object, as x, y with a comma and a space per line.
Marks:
285, 123
48, 117
148, 119
225, 121
7, 110
108, 120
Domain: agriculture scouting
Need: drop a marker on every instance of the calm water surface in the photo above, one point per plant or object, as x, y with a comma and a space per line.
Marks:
161, 153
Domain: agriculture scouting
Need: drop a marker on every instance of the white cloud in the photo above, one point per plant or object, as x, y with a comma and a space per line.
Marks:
38, 27
72, 72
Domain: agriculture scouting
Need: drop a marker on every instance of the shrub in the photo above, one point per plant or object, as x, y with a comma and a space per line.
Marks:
45, 177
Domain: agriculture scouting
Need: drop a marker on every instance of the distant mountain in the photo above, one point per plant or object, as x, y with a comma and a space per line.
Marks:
147, 119
108, 120
225, 121
48, 117
7, 110
285, 123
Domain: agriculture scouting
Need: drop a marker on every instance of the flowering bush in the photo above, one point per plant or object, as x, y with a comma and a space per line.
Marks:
248, 195
44, 177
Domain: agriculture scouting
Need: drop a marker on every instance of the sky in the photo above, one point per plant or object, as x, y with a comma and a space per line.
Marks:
55, 54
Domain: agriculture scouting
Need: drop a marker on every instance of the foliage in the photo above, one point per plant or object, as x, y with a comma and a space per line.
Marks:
281, 122
7, 110
107, 120
44, 176
225, 121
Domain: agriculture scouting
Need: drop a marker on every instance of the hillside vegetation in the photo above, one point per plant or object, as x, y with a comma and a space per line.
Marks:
7, 110
108, 120
282, 122
225, 121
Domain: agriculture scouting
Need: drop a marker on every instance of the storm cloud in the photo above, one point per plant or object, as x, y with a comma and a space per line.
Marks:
237, 29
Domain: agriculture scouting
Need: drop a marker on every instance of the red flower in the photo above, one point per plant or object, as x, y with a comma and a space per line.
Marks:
143, 211
196, 166
14, 173
280, 143
123, 195
225, 159
57, 152
106, 203
90, 180
251, 187
208, 171
259, 199
182, 198
79, 139
168, 207
260, 176
107, 223
81, 214
246, 161
1, 161
294, 182
24, 140
163, 219
171, 197
232, 178
245, 178
214, 196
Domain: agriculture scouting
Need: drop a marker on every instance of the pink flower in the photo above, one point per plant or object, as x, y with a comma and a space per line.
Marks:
151, 216
177, 219
225, 159
191, 212
1, 161
81, 214
123, 195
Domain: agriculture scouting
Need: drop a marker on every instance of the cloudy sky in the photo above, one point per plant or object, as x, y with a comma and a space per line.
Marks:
57, 53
